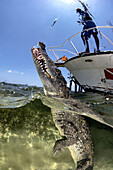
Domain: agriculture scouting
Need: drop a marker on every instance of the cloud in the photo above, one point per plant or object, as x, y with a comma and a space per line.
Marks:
15, 72
9, 71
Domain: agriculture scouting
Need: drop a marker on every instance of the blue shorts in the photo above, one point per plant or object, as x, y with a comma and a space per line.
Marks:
89, 24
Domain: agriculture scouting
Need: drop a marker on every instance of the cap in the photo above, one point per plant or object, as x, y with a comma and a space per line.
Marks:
78, 10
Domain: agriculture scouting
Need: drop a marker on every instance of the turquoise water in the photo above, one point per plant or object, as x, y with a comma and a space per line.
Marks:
28, 134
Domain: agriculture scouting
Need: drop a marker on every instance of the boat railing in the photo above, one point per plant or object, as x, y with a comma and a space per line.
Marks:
57, 48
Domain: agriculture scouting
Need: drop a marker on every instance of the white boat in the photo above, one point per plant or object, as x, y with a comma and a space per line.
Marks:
93, 71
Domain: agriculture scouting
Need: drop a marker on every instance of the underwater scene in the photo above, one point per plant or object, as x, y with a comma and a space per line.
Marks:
28, 133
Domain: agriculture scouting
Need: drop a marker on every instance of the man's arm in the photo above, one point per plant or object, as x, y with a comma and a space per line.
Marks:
85, 8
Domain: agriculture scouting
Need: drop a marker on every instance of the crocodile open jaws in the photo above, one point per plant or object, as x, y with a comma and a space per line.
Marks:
72, 127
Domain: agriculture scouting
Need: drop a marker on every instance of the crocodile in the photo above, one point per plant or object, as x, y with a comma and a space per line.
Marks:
73, 128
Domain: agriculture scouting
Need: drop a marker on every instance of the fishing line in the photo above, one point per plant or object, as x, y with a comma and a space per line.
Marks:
110, 24
58, 17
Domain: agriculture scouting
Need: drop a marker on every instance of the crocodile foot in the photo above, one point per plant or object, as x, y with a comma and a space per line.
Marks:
84, 164
57, 147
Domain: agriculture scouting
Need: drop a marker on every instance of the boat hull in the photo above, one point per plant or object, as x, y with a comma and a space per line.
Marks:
93, 71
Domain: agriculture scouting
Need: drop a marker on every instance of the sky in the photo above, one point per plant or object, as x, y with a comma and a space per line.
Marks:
26, 22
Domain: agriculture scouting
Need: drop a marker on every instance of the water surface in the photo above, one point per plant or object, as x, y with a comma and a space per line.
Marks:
28, 133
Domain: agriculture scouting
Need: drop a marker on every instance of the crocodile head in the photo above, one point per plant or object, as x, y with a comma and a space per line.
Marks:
53, 82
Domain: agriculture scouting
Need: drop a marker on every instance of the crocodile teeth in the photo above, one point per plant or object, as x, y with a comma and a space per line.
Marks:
39, 59
48, 75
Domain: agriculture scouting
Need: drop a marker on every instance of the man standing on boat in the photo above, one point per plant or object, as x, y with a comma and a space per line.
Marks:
87, 21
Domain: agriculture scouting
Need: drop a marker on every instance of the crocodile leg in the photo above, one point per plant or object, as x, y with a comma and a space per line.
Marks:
86, 160
59, 144
77, 138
